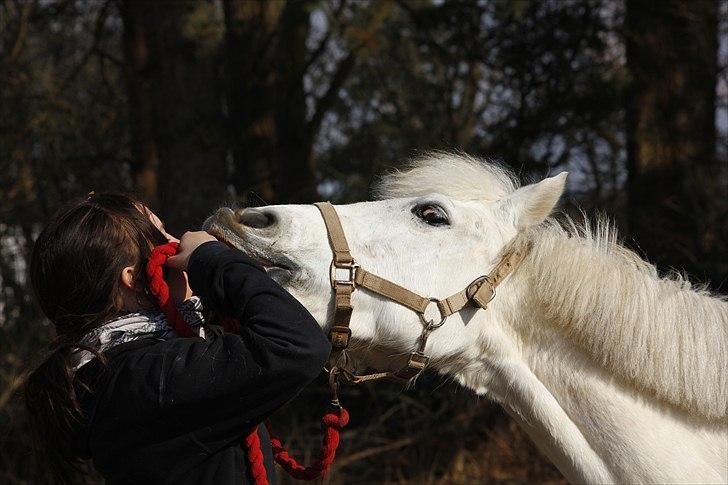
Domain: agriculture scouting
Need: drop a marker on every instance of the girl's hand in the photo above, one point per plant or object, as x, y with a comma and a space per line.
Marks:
179, 286
189, 242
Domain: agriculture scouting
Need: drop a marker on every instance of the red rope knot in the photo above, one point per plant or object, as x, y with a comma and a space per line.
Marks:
338, 421
159, 288
254, 454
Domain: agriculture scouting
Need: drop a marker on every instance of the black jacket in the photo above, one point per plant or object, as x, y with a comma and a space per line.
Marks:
176, 411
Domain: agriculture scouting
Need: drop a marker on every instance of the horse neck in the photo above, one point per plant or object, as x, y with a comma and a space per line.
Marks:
660, 335
594, 426
511, 369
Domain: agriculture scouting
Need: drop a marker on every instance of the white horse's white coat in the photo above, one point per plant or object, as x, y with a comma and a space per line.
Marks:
618, 375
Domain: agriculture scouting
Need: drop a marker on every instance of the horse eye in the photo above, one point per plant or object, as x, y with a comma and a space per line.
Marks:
433, 215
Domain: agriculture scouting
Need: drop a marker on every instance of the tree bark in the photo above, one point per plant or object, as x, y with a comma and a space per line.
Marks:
176, 102
296, 172
251, 80
674, 202
271, 136
145, 161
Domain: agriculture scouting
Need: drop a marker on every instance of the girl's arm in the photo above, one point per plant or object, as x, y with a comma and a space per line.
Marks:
237, 380
277, 323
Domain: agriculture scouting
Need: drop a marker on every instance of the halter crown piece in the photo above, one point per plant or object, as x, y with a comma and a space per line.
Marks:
346, 276
331, 423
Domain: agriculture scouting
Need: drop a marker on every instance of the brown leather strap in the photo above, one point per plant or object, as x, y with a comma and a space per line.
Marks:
340, 333
390, 290
482, 291
453, 304
508, 264
337, 238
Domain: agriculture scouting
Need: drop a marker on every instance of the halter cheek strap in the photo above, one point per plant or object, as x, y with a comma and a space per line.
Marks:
342, 261
346, 276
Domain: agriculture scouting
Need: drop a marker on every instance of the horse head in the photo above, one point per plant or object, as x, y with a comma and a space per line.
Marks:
431, 231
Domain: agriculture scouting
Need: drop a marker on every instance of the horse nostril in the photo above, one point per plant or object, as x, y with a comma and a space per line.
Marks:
255, 218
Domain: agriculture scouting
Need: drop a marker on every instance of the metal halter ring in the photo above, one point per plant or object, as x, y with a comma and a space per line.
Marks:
350, 268
429, 324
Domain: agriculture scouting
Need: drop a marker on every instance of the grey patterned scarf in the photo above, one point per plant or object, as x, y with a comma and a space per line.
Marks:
137, 325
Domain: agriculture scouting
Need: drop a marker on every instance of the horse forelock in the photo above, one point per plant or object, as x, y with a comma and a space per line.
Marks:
455, 175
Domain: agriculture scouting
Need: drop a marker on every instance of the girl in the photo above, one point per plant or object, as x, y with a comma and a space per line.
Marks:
121, 388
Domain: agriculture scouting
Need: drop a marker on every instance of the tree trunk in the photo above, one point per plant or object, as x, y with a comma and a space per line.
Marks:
296, 179
270, 135
674, 200
145, 162
249, 35
178, 102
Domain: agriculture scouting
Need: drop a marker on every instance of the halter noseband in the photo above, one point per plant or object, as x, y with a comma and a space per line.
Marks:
346, 276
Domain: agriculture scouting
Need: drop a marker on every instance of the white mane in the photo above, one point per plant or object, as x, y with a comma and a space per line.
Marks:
661, 334
665, 337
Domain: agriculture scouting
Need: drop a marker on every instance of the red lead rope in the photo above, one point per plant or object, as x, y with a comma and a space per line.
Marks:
331, 423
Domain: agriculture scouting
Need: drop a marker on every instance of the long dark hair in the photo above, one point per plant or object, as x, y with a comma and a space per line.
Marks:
75, 271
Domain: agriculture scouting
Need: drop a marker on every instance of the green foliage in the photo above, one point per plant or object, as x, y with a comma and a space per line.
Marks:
535, 85
204, 25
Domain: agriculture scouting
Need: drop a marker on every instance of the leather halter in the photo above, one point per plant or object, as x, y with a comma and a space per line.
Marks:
346, 276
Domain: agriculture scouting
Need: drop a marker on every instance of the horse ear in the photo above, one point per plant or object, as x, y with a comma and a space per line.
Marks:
532, 204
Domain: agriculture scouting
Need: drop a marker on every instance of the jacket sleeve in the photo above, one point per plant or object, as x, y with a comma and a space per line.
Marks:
237, 379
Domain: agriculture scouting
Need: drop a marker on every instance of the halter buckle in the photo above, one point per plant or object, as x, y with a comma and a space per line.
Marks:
415, 365
350, 274
418, 361
474, 294
339, 337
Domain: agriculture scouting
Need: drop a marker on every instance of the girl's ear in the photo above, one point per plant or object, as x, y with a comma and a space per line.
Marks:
127, 278
532, 204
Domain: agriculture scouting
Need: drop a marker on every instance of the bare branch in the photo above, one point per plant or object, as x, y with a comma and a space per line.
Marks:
337, 81
97, 35
321, 47
374, 450
345, 67
22, 33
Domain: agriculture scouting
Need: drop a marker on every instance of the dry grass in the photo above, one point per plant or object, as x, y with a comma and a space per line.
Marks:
436, 434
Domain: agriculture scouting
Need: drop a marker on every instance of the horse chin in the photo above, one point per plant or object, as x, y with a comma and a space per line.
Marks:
282, 276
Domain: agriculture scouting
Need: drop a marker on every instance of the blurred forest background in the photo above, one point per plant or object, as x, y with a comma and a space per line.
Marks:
197, 103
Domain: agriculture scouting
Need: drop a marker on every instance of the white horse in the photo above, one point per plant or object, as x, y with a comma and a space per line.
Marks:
618, 375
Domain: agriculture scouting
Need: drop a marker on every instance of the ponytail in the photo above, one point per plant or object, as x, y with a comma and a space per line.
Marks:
55, 415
